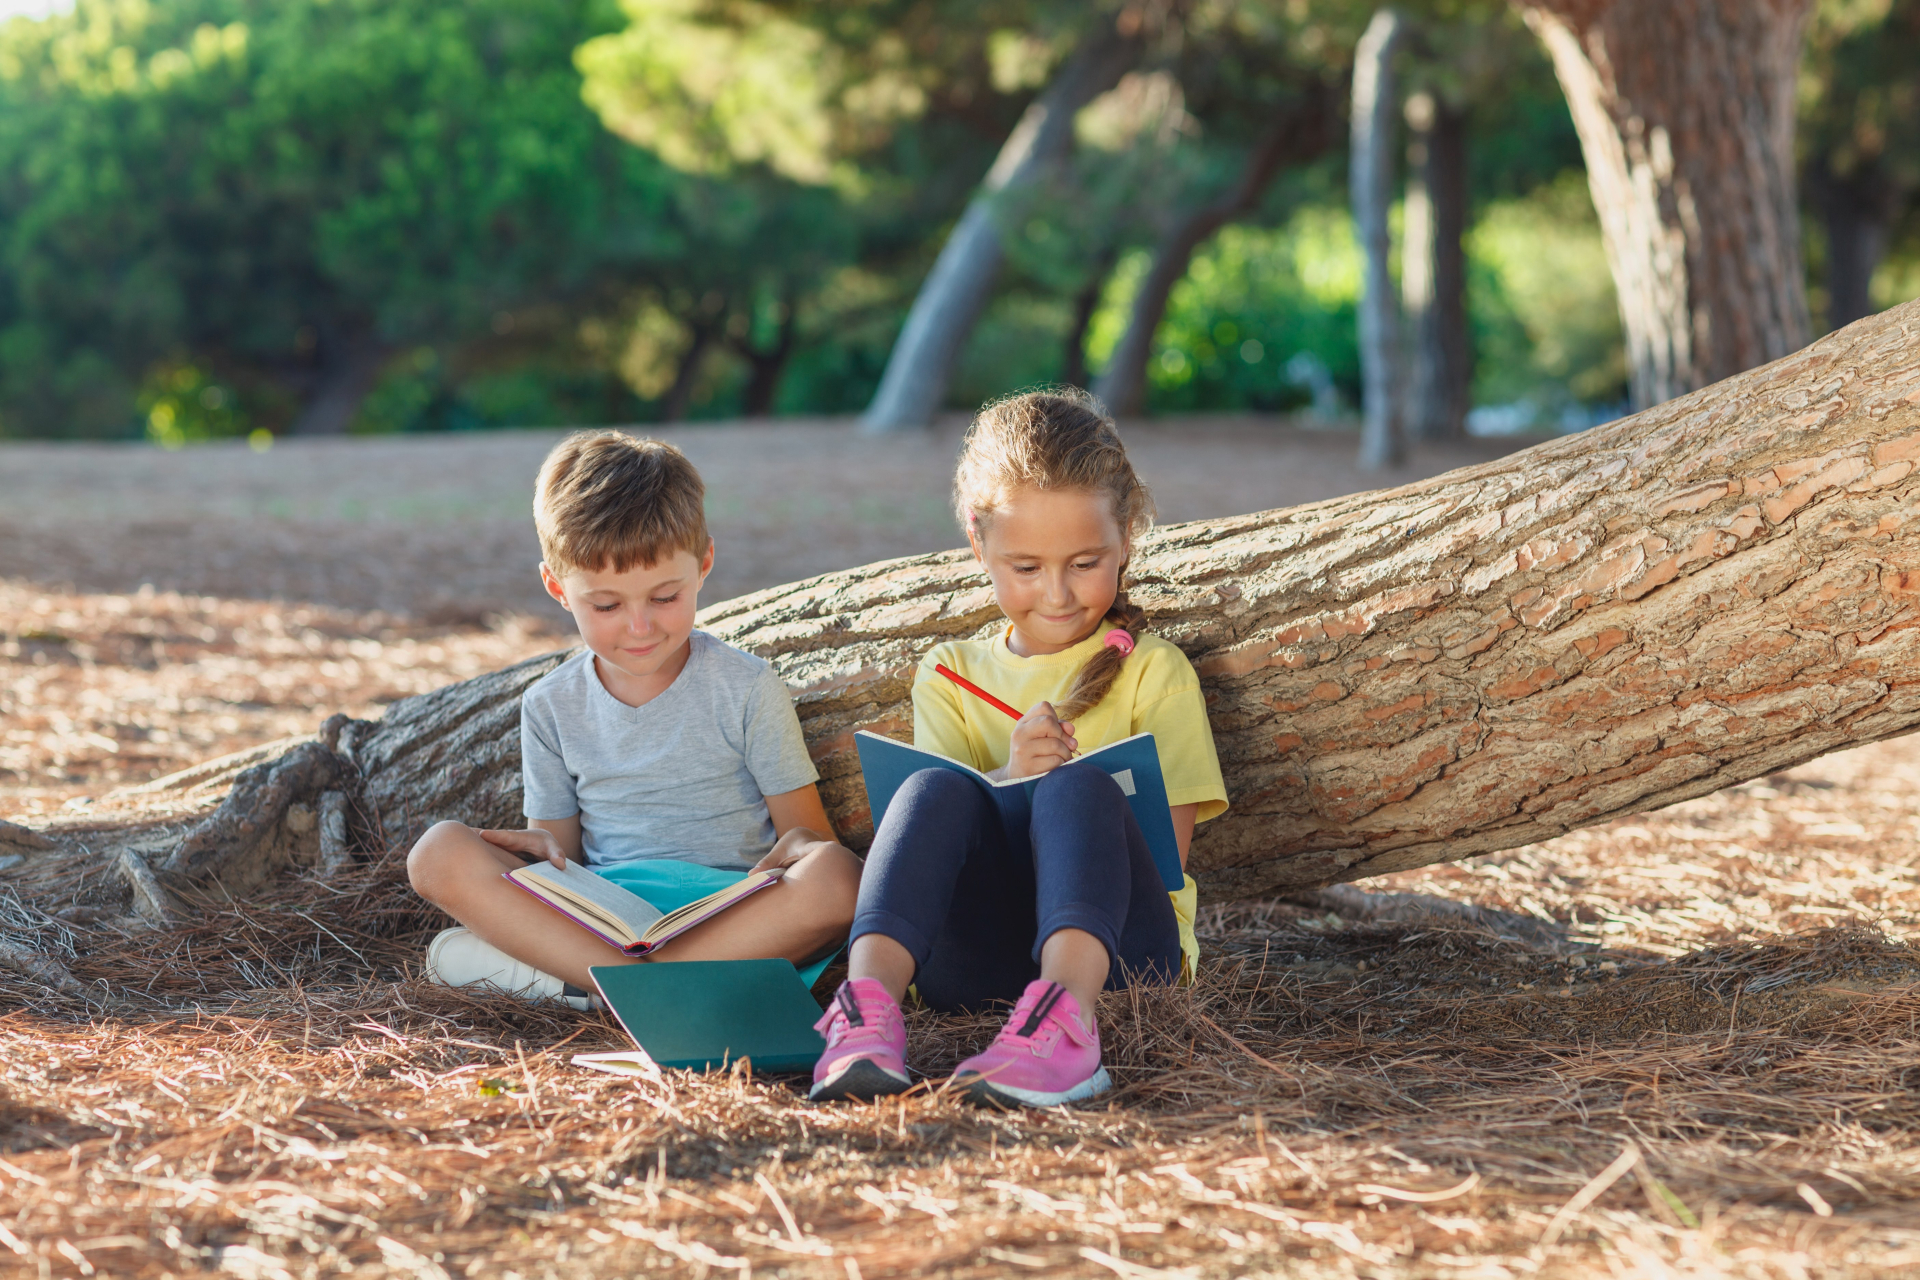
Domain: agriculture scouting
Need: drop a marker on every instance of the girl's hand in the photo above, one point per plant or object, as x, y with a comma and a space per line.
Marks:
529, 844
1041, 743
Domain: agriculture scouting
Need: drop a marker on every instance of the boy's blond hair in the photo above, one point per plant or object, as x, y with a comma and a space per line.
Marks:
607, 500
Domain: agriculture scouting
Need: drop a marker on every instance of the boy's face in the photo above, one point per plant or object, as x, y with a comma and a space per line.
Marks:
636, 621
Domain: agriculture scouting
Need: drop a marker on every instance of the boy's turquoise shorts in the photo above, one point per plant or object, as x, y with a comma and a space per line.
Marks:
670, 885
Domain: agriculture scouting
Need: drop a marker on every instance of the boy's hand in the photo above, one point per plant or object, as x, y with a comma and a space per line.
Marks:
529, 844
1042, 742
790, 848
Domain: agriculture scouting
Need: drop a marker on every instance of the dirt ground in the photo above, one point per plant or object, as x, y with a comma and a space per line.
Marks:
1688, 1048
439, 528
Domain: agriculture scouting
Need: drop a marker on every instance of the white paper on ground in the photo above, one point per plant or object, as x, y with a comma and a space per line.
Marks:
624, 1062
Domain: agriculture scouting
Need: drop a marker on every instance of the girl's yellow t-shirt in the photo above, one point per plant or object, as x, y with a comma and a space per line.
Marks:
1156, 692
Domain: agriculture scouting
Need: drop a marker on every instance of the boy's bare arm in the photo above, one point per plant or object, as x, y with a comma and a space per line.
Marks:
556, 839
800, 807
800, 821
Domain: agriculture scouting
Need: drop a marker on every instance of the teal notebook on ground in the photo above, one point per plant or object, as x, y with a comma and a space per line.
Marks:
704, 1014
1134, 763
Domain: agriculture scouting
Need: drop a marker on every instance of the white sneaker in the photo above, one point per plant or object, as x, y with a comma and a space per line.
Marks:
459, 957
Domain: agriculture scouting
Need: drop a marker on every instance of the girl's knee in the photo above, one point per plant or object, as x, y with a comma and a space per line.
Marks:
1078, 778
938, 787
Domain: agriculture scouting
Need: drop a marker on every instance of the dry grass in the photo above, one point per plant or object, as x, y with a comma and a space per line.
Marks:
275, 1095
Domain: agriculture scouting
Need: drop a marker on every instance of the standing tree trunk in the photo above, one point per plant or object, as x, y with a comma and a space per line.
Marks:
679, 395
1085, 303
1715, 589
956, 291
765, 366
348, 373
1433, 270
1295, 135
1858, 209
1685, 110
1371, 176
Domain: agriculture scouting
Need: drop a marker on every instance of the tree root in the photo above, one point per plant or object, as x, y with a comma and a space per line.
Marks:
152, 901
259, 801
51, 974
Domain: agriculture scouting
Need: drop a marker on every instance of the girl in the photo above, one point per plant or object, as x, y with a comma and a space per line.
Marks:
1047, 917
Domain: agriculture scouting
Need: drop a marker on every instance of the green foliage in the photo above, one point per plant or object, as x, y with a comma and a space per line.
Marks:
709, 88
262, 187
1253, 299
544, 211
183, 403
1546, 321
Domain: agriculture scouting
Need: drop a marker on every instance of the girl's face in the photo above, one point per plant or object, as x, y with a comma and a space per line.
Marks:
1054, 557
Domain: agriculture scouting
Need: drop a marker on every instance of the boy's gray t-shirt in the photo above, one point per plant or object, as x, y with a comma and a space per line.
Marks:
682, 777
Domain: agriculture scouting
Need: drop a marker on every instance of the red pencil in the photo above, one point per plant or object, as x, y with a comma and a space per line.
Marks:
973, 688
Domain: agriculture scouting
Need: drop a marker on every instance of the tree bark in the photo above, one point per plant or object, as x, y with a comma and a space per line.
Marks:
1433, 270
1371, 176
956, 291
1295, 135
1707, 592
1685, 111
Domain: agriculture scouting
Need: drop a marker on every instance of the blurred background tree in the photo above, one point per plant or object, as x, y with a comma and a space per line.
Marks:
225, 217
1860, 166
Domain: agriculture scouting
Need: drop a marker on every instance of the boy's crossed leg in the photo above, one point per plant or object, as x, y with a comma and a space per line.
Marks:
458, 870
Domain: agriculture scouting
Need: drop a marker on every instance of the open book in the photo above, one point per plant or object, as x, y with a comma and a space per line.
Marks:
622, 919
1133, 762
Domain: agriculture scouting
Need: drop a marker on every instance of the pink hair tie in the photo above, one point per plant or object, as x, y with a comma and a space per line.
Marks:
1118, 639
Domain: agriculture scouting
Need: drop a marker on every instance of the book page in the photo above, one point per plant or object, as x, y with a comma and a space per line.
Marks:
619, 913
674, 921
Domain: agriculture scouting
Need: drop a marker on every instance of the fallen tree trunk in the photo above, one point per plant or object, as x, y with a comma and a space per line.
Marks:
1707, 592
1712, 590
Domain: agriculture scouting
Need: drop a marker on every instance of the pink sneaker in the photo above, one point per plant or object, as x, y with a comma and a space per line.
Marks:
1044, 1057
866, 1052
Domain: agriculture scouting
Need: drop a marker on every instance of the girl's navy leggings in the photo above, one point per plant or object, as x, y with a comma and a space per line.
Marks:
972, 902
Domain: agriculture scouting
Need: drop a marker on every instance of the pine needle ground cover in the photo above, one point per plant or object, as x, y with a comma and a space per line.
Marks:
1684, 1045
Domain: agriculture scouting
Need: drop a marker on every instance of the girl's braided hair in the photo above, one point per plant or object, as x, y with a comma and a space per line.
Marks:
1058, 439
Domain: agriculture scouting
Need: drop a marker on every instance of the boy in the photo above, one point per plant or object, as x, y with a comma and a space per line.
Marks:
665, 760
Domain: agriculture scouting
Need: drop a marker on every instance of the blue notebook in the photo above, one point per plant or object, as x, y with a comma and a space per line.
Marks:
1134, 763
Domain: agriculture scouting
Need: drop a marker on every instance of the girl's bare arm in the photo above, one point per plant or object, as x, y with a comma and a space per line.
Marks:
1183, 818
